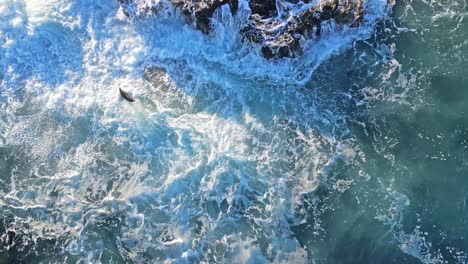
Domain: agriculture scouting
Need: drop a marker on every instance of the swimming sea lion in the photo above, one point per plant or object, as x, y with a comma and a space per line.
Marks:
126, 96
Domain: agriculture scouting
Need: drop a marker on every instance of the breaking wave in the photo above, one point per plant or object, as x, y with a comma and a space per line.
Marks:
223, 158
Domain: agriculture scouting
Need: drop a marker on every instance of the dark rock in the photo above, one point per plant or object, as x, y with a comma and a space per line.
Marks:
201, 11
10, 236
263, 8
284, 40
234, 5
267, 52
278, 35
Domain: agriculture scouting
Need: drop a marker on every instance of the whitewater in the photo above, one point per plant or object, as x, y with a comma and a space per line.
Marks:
227, 157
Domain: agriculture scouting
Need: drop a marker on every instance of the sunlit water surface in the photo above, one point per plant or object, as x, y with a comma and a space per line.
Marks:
355, 153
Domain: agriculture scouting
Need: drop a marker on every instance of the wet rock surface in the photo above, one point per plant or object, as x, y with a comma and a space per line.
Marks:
278, 27
263, 8
282, 37
201, 11
10, 237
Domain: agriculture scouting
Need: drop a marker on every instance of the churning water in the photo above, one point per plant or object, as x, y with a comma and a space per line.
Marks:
356, 152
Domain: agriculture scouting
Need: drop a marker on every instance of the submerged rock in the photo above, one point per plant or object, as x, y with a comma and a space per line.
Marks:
278, 26
9, 239
154, 74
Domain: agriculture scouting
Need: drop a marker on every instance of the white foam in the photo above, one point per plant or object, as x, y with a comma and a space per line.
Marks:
225, 50
191, 173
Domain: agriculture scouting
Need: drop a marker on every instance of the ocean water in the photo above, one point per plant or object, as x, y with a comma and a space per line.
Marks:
356, 152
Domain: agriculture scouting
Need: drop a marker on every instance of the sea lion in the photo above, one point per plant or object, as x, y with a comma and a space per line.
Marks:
126, 96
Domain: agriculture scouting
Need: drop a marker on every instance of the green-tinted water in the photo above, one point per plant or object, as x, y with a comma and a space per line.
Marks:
413, 135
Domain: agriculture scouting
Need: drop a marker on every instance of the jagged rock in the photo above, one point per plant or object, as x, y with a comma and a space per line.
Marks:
263, 8
202, 11
278, 32
279, 39
10, 237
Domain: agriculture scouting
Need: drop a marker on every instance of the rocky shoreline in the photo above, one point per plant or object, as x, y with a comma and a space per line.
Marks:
278, 26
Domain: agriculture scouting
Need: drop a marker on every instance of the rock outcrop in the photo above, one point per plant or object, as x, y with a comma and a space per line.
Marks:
278, 26
281, 37
202, 11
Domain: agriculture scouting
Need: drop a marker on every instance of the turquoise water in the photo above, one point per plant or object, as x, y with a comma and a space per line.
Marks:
355, 153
